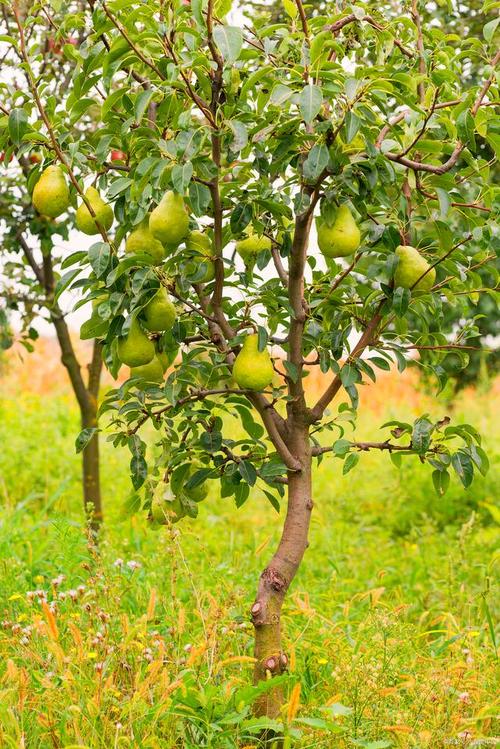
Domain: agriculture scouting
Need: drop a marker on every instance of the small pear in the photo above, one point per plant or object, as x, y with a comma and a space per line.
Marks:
179, 481
410, 268
159, 314
150, 372
51, 192
141, 242
340, 239
250, 247
169, 222
85, 222
198, 244
135, 349
165, 507
253, 369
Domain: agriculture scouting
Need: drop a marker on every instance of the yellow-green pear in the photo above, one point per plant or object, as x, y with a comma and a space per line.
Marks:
159, 314
165, 507
410, 268
141, 242
253, 369
85, 222
179, 481
250, 247
198, 244
135, 349
51, 192
340, 239
169, 222
150, 372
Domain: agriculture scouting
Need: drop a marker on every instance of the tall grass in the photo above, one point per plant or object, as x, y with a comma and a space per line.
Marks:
390, 625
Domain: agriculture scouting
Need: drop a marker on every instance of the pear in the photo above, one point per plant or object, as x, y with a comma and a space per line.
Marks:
151, 372
159, 314
198, 244
253, 369
135, 349
142, 242
166, 508
51, 192
169, 222
409, 269
250, 247
178, 483
85, 222
340, 239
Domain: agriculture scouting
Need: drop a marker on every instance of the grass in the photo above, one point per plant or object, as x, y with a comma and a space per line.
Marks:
389, 625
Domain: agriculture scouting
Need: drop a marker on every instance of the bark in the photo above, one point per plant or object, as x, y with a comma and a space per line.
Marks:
277, 576
86, 397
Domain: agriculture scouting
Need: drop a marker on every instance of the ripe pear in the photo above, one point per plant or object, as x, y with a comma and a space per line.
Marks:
159, 314
250, 247
151, 372
169, 222
340, 239
85, 222
135, 349
166, 508
142, 242
51, 192
198, 244
409, 269
253, 369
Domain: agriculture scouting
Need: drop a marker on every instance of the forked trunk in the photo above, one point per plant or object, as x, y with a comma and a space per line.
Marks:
275, 580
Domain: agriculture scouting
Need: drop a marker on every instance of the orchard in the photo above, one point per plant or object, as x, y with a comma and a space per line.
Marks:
259, 198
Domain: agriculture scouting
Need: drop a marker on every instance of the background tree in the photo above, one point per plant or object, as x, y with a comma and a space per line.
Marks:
259, 132
32, 261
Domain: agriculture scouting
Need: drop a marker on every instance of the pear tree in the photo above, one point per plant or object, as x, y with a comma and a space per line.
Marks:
295, 193
35, 195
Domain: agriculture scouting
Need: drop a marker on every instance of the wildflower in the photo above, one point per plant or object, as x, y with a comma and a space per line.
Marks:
57, 581
73, 594
24, 641
464, 697
81, 590
133, 565
118, 562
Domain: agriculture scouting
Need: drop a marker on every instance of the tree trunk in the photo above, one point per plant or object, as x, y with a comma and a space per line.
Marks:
90, 469
277, 576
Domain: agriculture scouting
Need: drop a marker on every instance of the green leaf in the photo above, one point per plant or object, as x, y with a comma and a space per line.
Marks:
349, 374
138, 470
421, 435
199, 197
240, 217
490, 28
310, 100
463, 466
181, 176
18, 125
401, 301
444, 202
99, 257
93, 328
441, 481
240, 133
84, 438
142, 103
351, 460
247, 472
480, 459
316, 162
352, 125
341, 447
65, 281
229, 40
466, 127
273, 499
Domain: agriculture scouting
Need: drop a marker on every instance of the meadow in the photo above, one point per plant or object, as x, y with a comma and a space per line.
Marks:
146, 642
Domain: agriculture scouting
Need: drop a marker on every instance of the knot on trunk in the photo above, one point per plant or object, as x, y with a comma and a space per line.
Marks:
273, 579
276, 664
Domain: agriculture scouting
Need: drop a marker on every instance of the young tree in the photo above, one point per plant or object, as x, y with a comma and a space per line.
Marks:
31, 261
243, 138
